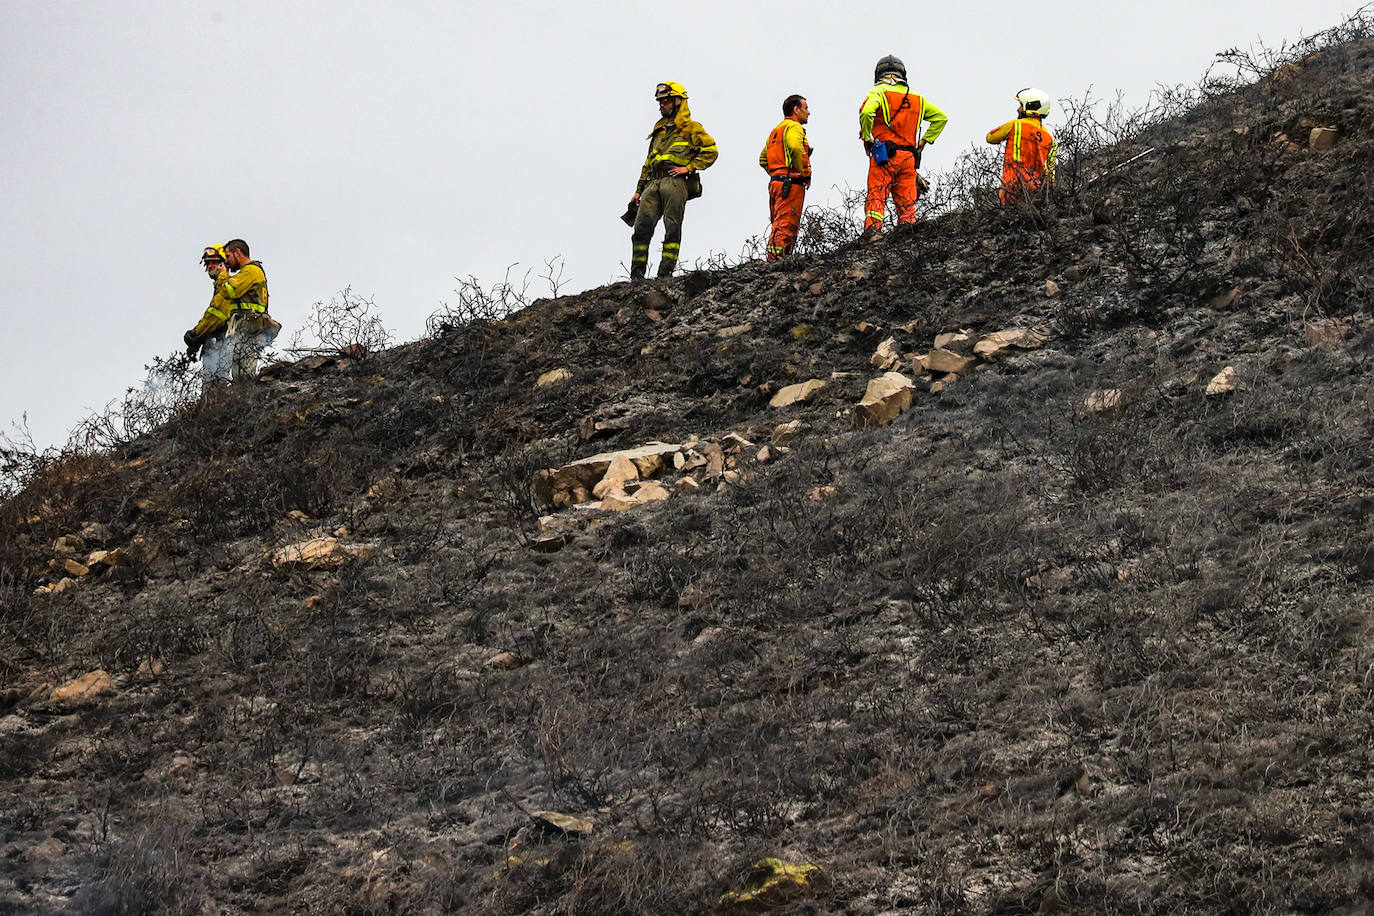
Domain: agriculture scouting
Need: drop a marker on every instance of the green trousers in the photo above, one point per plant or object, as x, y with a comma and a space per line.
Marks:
666, 199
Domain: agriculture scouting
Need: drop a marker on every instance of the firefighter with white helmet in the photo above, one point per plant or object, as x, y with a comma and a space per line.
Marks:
1028, 162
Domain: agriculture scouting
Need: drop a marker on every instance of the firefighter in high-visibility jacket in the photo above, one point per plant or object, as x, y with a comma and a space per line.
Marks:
678, 148
207, 337
250, 328
1028, 162
786, 157
890, 126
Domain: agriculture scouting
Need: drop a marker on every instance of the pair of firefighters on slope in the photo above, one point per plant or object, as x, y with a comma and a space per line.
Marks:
235, 327
889, 126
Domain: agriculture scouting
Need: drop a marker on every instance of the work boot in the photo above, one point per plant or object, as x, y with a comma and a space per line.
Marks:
637, 273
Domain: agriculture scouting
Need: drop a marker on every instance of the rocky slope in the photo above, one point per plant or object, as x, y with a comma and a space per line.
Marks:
1072, 619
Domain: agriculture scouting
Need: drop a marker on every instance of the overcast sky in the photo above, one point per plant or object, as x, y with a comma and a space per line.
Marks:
394, 146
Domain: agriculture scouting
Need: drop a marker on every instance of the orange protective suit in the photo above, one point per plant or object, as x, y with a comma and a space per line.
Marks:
892, 113
786, 157
1028, 163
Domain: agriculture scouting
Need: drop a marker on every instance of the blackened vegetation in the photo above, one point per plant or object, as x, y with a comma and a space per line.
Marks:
1009, 654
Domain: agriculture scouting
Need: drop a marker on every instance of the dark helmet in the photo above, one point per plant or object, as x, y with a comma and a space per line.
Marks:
889, 64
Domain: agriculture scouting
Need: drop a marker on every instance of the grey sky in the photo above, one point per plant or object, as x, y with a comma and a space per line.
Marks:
394, 146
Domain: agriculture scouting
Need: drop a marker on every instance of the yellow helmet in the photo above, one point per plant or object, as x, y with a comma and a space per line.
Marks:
212, 253
669, 89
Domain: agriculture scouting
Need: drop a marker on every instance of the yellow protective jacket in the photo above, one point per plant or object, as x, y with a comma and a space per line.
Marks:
786, 151
216, 317
903, 124
677, 141
246, 289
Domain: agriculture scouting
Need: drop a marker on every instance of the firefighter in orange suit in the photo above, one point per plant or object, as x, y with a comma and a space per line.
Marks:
1028, 164
890, 125
786, 157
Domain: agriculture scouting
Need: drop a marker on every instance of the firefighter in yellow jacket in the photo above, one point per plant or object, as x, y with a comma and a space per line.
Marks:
678, 148
786, 157
250, 328
207, 337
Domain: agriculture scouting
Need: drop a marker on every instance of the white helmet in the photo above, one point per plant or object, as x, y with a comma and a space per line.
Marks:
1035, 101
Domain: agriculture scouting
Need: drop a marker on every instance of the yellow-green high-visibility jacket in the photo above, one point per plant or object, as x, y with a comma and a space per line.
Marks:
677, 141
893, 112
216, 316
246, 289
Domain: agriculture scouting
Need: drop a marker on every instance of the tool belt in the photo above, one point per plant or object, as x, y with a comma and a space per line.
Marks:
789, 180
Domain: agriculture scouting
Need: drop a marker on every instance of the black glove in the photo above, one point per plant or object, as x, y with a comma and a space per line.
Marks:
916, 156
192, 344
868, 147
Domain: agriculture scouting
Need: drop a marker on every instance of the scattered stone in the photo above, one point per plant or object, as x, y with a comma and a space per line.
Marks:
572, 484
590, 428
653, 315
887, 356
296, 515
941, 384
503, 661
690, 597
715, 458
618, 502
75, 568
948, 361
553, 377
550, 543
786, 432
55, 588
864, 327
1104, 400
313, 602
772, 884
858, 273
1001, 342
150, 668
735, 441
319, 553
86, 687
69, 544
552, 821
651, 491
735, 330
1326, 333
109, 559
764, 456
620, 472
886, 397
910, 327
817, 288
1322, 138
1224, 382
795, 394
686, 486
1051, 289
960, 342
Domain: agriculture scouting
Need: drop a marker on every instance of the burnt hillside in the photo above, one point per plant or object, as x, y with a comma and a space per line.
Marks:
1087, 628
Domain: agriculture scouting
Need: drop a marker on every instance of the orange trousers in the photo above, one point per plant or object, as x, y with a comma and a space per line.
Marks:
784, 216
896, 177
